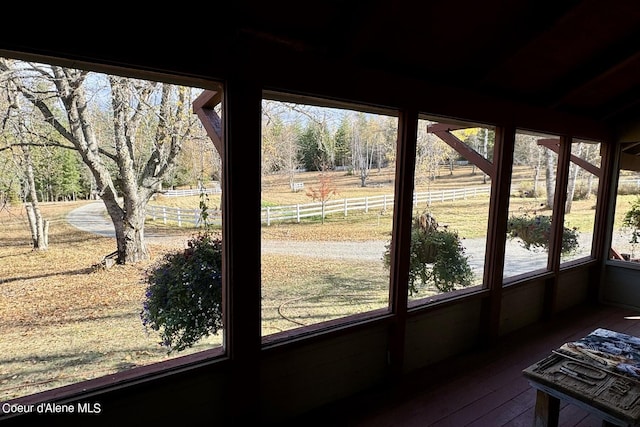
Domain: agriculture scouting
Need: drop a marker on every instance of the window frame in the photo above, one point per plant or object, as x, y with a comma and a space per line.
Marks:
153, 371
333, 326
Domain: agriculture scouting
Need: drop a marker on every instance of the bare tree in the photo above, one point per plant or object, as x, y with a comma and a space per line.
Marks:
431, 152
550, 176
14, 132
362, 148
150, 121
573, 176
39, 226
280, 131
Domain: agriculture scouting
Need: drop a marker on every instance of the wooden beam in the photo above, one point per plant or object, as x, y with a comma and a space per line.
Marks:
629, 162
401, 241
553, 144
557, 225
443, 131
209, 98
631, 148
241, 247
497, 231
203, 107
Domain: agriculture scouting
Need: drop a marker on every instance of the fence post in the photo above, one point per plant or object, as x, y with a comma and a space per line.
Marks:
164, 215
366, 204
298, 212
346, 209
196, 218
268, 216
179, 218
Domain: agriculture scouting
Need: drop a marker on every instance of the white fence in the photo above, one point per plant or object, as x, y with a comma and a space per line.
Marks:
630, 182
297, 212
181, 216
365, 204
191, 192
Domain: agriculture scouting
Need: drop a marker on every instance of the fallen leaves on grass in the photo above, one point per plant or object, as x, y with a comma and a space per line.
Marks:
63, 321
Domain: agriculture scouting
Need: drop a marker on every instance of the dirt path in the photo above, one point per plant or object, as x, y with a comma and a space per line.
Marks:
91, 218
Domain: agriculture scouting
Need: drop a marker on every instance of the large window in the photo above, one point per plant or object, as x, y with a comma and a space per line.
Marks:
625, 241
582, 199
83, 158
327, 211
533, 184
453, 172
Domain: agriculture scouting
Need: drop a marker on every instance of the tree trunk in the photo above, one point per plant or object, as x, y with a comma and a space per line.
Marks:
129, 228
571, 187
550, 178
39, 226
536, 177
132, 243
485, 147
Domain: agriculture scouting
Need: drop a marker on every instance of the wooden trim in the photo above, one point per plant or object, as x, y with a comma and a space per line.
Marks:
605, 211
241, 245
557, 225
497, 229
606, 198
401, 236
295, 338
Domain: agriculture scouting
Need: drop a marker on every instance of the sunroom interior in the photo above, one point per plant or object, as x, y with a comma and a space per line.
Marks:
561, 79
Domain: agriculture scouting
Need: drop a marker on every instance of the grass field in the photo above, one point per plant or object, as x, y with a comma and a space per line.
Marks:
61, 319
64, 321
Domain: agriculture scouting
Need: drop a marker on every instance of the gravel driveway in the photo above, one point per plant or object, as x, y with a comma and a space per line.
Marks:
91, 218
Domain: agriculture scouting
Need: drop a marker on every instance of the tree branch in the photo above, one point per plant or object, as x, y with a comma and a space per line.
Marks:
53, 144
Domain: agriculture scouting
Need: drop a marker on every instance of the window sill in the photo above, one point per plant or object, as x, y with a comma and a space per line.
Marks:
117, 380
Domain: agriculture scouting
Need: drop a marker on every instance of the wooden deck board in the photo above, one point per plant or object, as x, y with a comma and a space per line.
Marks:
482, 389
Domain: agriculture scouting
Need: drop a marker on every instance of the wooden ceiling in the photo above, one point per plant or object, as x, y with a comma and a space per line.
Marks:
572, 56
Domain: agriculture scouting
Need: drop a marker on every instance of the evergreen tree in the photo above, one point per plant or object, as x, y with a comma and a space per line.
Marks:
343, 143
312, 155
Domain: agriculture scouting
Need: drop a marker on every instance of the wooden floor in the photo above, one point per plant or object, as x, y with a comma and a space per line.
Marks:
483, 389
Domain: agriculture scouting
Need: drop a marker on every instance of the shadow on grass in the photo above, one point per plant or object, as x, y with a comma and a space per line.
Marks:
81, 317
29, 372
79, 271
16, 255
71, 366
77, 237
330, 297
